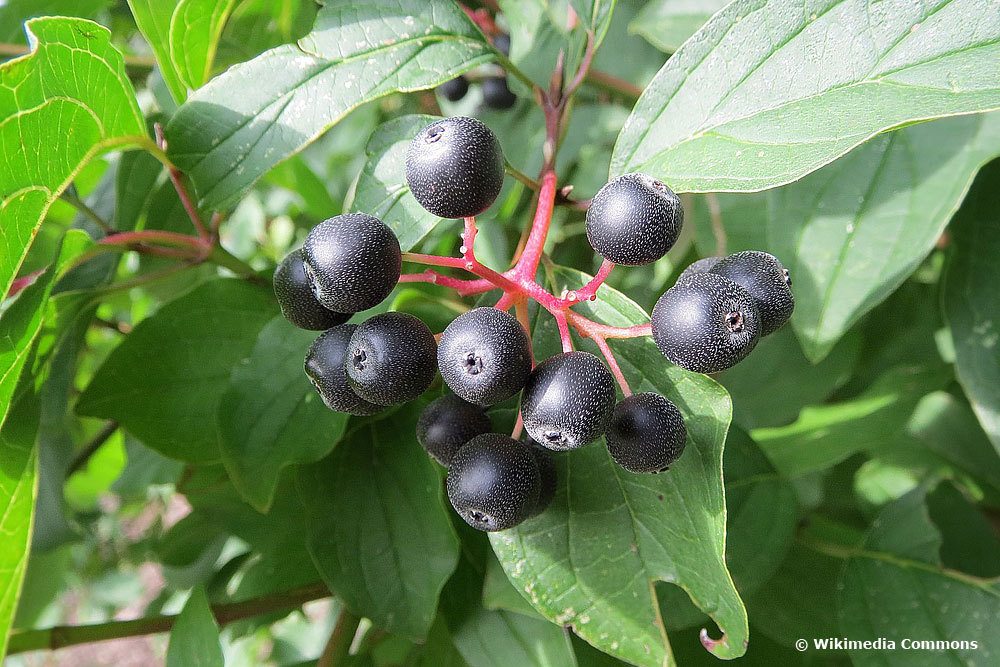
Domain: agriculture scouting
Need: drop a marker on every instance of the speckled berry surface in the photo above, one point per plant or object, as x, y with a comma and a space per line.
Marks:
547, 476
447, 423
296, 299
484, 356
493, 482
568, 401
705, 323
647, 433
325, 366
497, 93
768, 282
634, 219
454, 167
391, 358
703, 265
352, 261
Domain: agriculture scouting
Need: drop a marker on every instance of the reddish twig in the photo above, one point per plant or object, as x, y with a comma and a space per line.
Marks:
462, 287
564, 335
589, 291
177, 178
616, 370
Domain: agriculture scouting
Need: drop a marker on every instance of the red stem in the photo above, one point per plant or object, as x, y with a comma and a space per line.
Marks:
564, 335
23, 282
589, 291
527, 266
154, 236
177, 178
616, 370
462, 287
505, 302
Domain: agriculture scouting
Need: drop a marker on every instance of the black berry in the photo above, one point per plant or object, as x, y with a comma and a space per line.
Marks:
497, 94
502, 43
447, 423
568, 401
547, 477
493, 482
352, 261
455, 167
634, 220
703, 265
325, 366
391, 358
485, 356
767, 281
296, 299
706, 323
455, 89
646, 434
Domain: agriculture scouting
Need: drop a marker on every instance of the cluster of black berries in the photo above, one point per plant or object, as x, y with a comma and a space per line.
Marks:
496, 91
455, 169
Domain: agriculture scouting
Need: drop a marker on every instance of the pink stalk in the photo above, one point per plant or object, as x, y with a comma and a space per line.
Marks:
564, 335
527, 266
462, 287
616, 370
589, 291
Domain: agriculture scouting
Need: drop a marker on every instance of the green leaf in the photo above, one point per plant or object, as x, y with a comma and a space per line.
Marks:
183, 35
667, 24
379, 530
13, 13
18, 484
22, 321
853, 231
194, 639
971, 301
270, 417
499, 638
233, 130
595, 15
165, 381
792, 382
590, 560
824, 435
894, 586
760, 99
73, 78
136, 177
382, 190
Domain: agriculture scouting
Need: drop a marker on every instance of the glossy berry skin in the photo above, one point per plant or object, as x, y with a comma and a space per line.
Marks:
493, 482
497, 93
455, 89
352, 261
447, 423
568, 401
767, 281
296, 299
325, 366
647, 433
705, 323
485, 356
454, 167
634, 219
547, 477
391, 358
703, 265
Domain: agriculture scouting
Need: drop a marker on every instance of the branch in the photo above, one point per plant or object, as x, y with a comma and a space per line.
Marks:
338, 647
177, 178
613, 84
102, 436
69, 635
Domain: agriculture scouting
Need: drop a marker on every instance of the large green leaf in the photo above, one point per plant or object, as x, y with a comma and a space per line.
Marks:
247, 120
591, 559
487, 638
668, 23
184, 35
826, 434
18, 485
194, 639
770, 90
853, 231
22, 321
61, 105
13, 13
165, 381
894, 586
270, 416
382, 190
972, 302
379, 530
